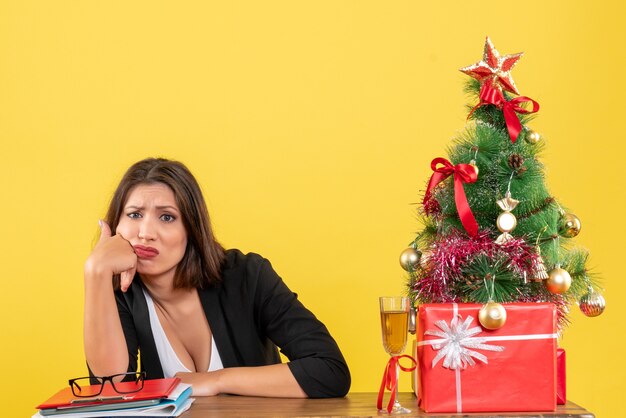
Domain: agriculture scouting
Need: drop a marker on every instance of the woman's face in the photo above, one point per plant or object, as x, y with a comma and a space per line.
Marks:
152, 223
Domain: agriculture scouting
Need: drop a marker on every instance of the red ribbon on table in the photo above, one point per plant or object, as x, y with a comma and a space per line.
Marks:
463, 173
390, 380
491, 95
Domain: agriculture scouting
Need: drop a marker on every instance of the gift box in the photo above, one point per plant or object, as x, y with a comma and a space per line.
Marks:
463, 367
561, 398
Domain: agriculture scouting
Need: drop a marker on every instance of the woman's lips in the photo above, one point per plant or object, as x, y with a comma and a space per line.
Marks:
145, 252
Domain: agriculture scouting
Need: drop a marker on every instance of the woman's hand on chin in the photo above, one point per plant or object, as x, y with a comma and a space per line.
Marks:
202, 383
112, 255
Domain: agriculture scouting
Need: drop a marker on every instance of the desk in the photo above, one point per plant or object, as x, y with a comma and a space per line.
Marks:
354, 405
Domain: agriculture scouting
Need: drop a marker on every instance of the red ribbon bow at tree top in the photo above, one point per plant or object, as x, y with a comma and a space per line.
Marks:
390, 380
463, 173
492, 95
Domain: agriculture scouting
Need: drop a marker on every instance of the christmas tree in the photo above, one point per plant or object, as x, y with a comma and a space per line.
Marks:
493, 233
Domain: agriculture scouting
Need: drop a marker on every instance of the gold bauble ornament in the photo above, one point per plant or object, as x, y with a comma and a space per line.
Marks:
410, 259
592, 304
558, 280
492, 315
473, 164
569, 225
533, 137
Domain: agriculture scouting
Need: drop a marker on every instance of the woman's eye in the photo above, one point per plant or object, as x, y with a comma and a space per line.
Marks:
134, 215
167, 218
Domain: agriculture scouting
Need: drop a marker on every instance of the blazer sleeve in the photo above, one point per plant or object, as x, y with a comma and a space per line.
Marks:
315, 359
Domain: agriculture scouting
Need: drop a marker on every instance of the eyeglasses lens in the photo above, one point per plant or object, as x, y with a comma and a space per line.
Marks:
84, 388
128, 386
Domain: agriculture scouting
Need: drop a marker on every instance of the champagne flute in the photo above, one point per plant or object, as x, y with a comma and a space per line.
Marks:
394, 320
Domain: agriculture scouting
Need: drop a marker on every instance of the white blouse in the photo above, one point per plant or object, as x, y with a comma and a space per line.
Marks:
170, 363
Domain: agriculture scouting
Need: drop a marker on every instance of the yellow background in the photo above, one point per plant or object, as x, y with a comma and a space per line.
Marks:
310, 126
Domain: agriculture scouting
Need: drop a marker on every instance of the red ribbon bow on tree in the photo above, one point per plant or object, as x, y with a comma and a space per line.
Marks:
491, 95
463, 173
390, 380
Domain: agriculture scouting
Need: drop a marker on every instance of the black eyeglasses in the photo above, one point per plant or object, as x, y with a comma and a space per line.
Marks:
121, 383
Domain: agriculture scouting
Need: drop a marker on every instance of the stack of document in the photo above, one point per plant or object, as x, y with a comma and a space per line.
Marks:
158, 398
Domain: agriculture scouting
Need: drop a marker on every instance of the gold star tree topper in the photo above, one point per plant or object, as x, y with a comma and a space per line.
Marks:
494, 69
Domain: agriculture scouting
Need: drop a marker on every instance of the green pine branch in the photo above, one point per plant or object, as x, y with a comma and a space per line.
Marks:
486, 279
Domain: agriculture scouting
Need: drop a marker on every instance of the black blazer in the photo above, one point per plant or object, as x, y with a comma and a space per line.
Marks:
250, 313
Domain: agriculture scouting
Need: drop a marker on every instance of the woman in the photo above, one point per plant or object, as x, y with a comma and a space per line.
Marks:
158, 282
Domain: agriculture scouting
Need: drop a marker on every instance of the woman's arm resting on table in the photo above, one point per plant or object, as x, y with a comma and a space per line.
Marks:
275, 381
314, 356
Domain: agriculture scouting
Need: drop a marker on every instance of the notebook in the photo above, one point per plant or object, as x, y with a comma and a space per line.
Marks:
152, 389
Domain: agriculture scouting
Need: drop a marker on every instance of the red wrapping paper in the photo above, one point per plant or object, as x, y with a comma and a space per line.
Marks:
561, 394
521, 377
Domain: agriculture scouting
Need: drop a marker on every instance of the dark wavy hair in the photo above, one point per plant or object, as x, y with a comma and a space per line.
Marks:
201, 264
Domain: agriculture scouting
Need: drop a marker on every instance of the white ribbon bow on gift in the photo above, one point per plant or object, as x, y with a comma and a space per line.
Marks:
457, 344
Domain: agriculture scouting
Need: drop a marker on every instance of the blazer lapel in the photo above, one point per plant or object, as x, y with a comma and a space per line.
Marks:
149, 355
217, 321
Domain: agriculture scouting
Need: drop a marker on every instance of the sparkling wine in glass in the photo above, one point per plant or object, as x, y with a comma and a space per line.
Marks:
394, 322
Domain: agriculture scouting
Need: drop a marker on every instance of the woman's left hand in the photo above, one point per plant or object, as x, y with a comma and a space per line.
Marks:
275, 380
202, 384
